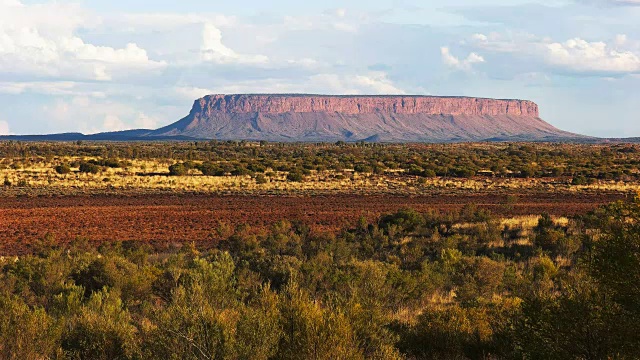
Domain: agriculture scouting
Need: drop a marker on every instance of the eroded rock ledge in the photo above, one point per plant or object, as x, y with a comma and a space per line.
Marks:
354, 105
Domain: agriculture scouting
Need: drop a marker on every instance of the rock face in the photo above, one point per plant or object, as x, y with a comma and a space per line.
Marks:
356, 105
368, 118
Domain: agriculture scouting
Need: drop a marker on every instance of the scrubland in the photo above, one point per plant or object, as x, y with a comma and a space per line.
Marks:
245, 250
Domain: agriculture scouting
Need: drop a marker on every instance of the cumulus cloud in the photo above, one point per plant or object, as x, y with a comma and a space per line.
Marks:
374, 82
591, 57
92, 115
34, 41
459, 64
112, 123
4, 128
214, 50
620, 56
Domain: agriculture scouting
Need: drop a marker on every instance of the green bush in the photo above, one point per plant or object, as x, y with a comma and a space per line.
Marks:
579, 180
295, 176
178, 170
261, 179
210, 169
63, 169
89, 168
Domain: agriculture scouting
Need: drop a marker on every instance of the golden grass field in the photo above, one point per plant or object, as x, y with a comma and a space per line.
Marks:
148, 176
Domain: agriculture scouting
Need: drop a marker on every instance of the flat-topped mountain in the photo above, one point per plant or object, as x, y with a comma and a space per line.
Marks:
330, 118
370, 118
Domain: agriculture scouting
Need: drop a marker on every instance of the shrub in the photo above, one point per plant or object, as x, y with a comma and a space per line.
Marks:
112, 163
240, 171
63, 169
178, 170
89, 168
579, 180
363, 168
429, 173
295, 176
261, 179
210, 169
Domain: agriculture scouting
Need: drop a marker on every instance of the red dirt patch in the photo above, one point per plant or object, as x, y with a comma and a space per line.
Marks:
163, 219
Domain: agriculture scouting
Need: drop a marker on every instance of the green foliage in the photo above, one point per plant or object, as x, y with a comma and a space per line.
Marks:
26, 333
90, 168
178, 170
295, 176
261, 179
102, 330
571, 163
209, 169
409, 285
63, 169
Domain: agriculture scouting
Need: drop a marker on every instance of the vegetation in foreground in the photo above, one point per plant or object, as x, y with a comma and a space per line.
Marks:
58, 168
412, 285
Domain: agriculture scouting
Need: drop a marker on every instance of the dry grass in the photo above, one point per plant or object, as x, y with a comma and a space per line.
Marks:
152, 175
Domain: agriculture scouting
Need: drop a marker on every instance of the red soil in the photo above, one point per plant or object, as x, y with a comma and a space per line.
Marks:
165, 219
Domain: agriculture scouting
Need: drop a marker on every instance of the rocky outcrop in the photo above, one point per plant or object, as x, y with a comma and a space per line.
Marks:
354, 105
358, 118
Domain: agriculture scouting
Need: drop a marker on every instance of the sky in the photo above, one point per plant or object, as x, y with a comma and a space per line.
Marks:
93, 65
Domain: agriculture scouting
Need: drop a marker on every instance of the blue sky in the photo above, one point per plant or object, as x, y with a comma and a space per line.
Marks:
93, 66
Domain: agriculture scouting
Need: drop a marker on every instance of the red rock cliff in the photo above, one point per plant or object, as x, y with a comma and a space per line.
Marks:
353, 105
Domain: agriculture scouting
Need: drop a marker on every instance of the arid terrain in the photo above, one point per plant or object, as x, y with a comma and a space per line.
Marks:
368, 251
163, 220
124, 192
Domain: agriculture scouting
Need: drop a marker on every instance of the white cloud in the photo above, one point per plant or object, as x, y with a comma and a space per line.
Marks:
55, 89
214, 50
369, 83
372, 82
579, 56
4, 128
612, 2
582, 56
92, 115
146, 122
458, 64
40, 41
112, 123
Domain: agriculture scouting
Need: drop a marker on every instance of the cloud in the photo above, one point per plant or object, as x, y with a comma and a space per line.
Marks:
576, 56
372, 82
214, 50
4, 128
112, 123
591, 57
453, 62
145, 121
35, 42
92, 115
375, 82
611, 2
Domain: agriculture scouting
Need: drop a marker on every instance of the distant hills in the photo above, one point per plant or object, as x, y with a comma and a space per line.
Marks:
330, 118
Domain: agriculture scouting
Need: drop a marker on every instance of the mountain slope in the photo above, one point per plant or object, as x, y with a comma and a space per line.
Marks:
369, 118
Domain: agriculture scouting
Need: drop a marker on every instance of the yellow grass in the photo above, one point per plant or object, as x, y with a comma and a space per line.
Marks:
41, 174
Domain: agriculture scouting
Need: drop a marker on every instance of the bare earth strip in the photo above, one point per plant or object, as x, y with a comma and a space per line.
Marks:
164, 219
